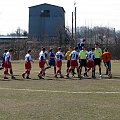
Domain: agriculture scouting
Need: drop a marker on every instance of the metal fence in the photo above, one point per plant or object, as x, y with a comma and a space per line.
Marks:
21, 46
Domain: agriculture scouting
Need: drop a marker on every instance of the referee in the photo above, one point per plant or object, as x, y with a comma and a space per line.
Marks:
98, 55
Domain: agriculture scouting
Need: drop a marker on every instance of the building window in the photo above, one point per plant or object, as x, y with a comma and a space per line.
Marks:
45, 13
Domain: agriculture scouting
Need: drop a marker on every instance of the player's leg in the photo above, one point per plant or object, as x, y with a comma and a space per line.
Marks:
109, 69
99, 65
67, 66
57, 68
26, 70
105, 64
11, 71
60, 67
80, 68
5, 70
41, 66
5, 73
85, 66
28, 74
54, 64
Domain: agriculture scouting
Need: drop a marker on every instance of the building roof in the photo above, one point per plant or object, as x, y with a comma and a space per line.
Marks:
13, 37
48, 5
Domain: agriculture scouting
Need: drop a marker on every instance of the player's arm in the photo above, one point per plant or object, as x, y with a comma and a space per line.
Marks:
30, 59
46, 62
101, 53
110, 56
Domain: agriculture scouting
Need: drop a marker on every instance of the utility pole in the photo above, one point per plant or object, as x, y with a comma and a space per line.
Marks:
72, 25
75, 27
107, 36
115, 36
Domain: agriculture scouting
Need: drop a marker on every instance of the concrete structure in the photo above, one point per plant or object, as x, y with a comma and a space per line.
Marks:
46, 20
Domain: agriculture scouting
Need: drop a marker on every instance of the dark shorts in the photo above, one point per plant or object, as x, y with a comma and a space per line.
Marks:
90, 64
73, 63
27, 65
7, 65
108, 65
68, 63
83, 62
42, 64
97, 61
51, 62
59, 63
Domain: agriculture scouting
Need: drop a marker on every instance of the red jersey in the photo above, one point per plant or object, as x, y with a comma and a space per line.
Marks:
106, 56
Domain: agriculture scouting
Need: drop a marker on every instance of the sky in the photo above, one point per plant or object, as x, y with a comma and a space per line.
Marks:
15, 13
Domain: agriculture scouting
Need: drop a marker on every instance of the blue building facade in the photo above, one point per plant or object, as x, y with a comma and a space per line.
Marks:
46, 20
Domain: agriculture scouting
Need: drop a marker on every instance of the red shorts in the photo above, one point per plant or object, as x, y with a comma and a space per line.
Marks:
90, 64
42, 64
59, 63
74, 63
27, 65
7, 64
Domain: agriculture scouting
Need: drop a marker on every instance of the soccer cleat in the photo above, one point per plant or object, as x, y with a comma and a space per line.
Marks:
61, 76
40, 77
43, 74
93, 77
80, 77
13, 78
74, 72
27, 77
85, 74
110, 76
73, 76
5, 77
23, 75
55, 76
100, 76
67, 76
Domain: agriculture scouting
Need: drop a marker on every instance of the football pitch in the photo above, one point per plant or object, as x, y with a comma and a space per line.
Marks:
59, 98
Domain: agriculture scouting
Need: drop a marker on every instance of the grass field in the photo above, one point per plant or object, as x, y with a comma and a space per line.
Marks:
59, 98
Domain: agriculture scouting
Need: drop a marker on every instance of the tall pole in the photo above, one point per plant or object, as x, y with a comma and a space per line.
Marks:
72, 25
75, 26
115, 36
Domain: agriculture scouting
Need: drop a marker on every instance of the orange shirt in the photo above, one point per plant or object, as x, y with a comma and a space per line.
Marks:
106, 56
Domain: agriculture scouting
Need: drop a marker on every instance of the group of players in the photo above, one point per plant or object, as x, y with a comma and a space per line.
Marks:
77, 58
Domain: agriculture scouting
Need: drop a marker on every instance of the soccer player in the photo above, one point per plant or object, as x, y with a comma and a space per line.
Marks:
59, 56
98, 55
28, 60
8, 65
42, 61
106, 57
3, 57
67, 55
51, 60
90, 63
83, 61
81, 44
74, 55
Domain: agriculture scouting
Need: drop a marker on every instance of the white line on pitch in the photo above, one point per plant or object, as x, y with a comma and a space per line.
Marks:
51, 91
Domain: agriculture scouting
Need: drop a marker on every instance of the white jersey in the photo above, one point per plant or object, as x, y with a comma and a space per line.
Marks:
42, 56
28, 57
74, 55
59, 56
8, 57
91, 56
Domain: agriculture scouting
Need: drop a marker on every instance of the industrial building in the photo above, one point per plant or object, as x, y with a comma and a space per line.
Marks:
46, 20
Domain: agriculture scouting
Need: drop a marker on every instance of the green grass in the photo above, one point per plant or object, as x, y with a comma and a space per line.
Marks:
16, 104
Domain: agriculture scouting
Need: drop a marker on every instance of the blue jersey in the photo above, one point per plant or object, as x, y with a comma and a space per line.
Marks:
51, 59
59, 56
91, 56
3, 59
51, 56
80, 46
